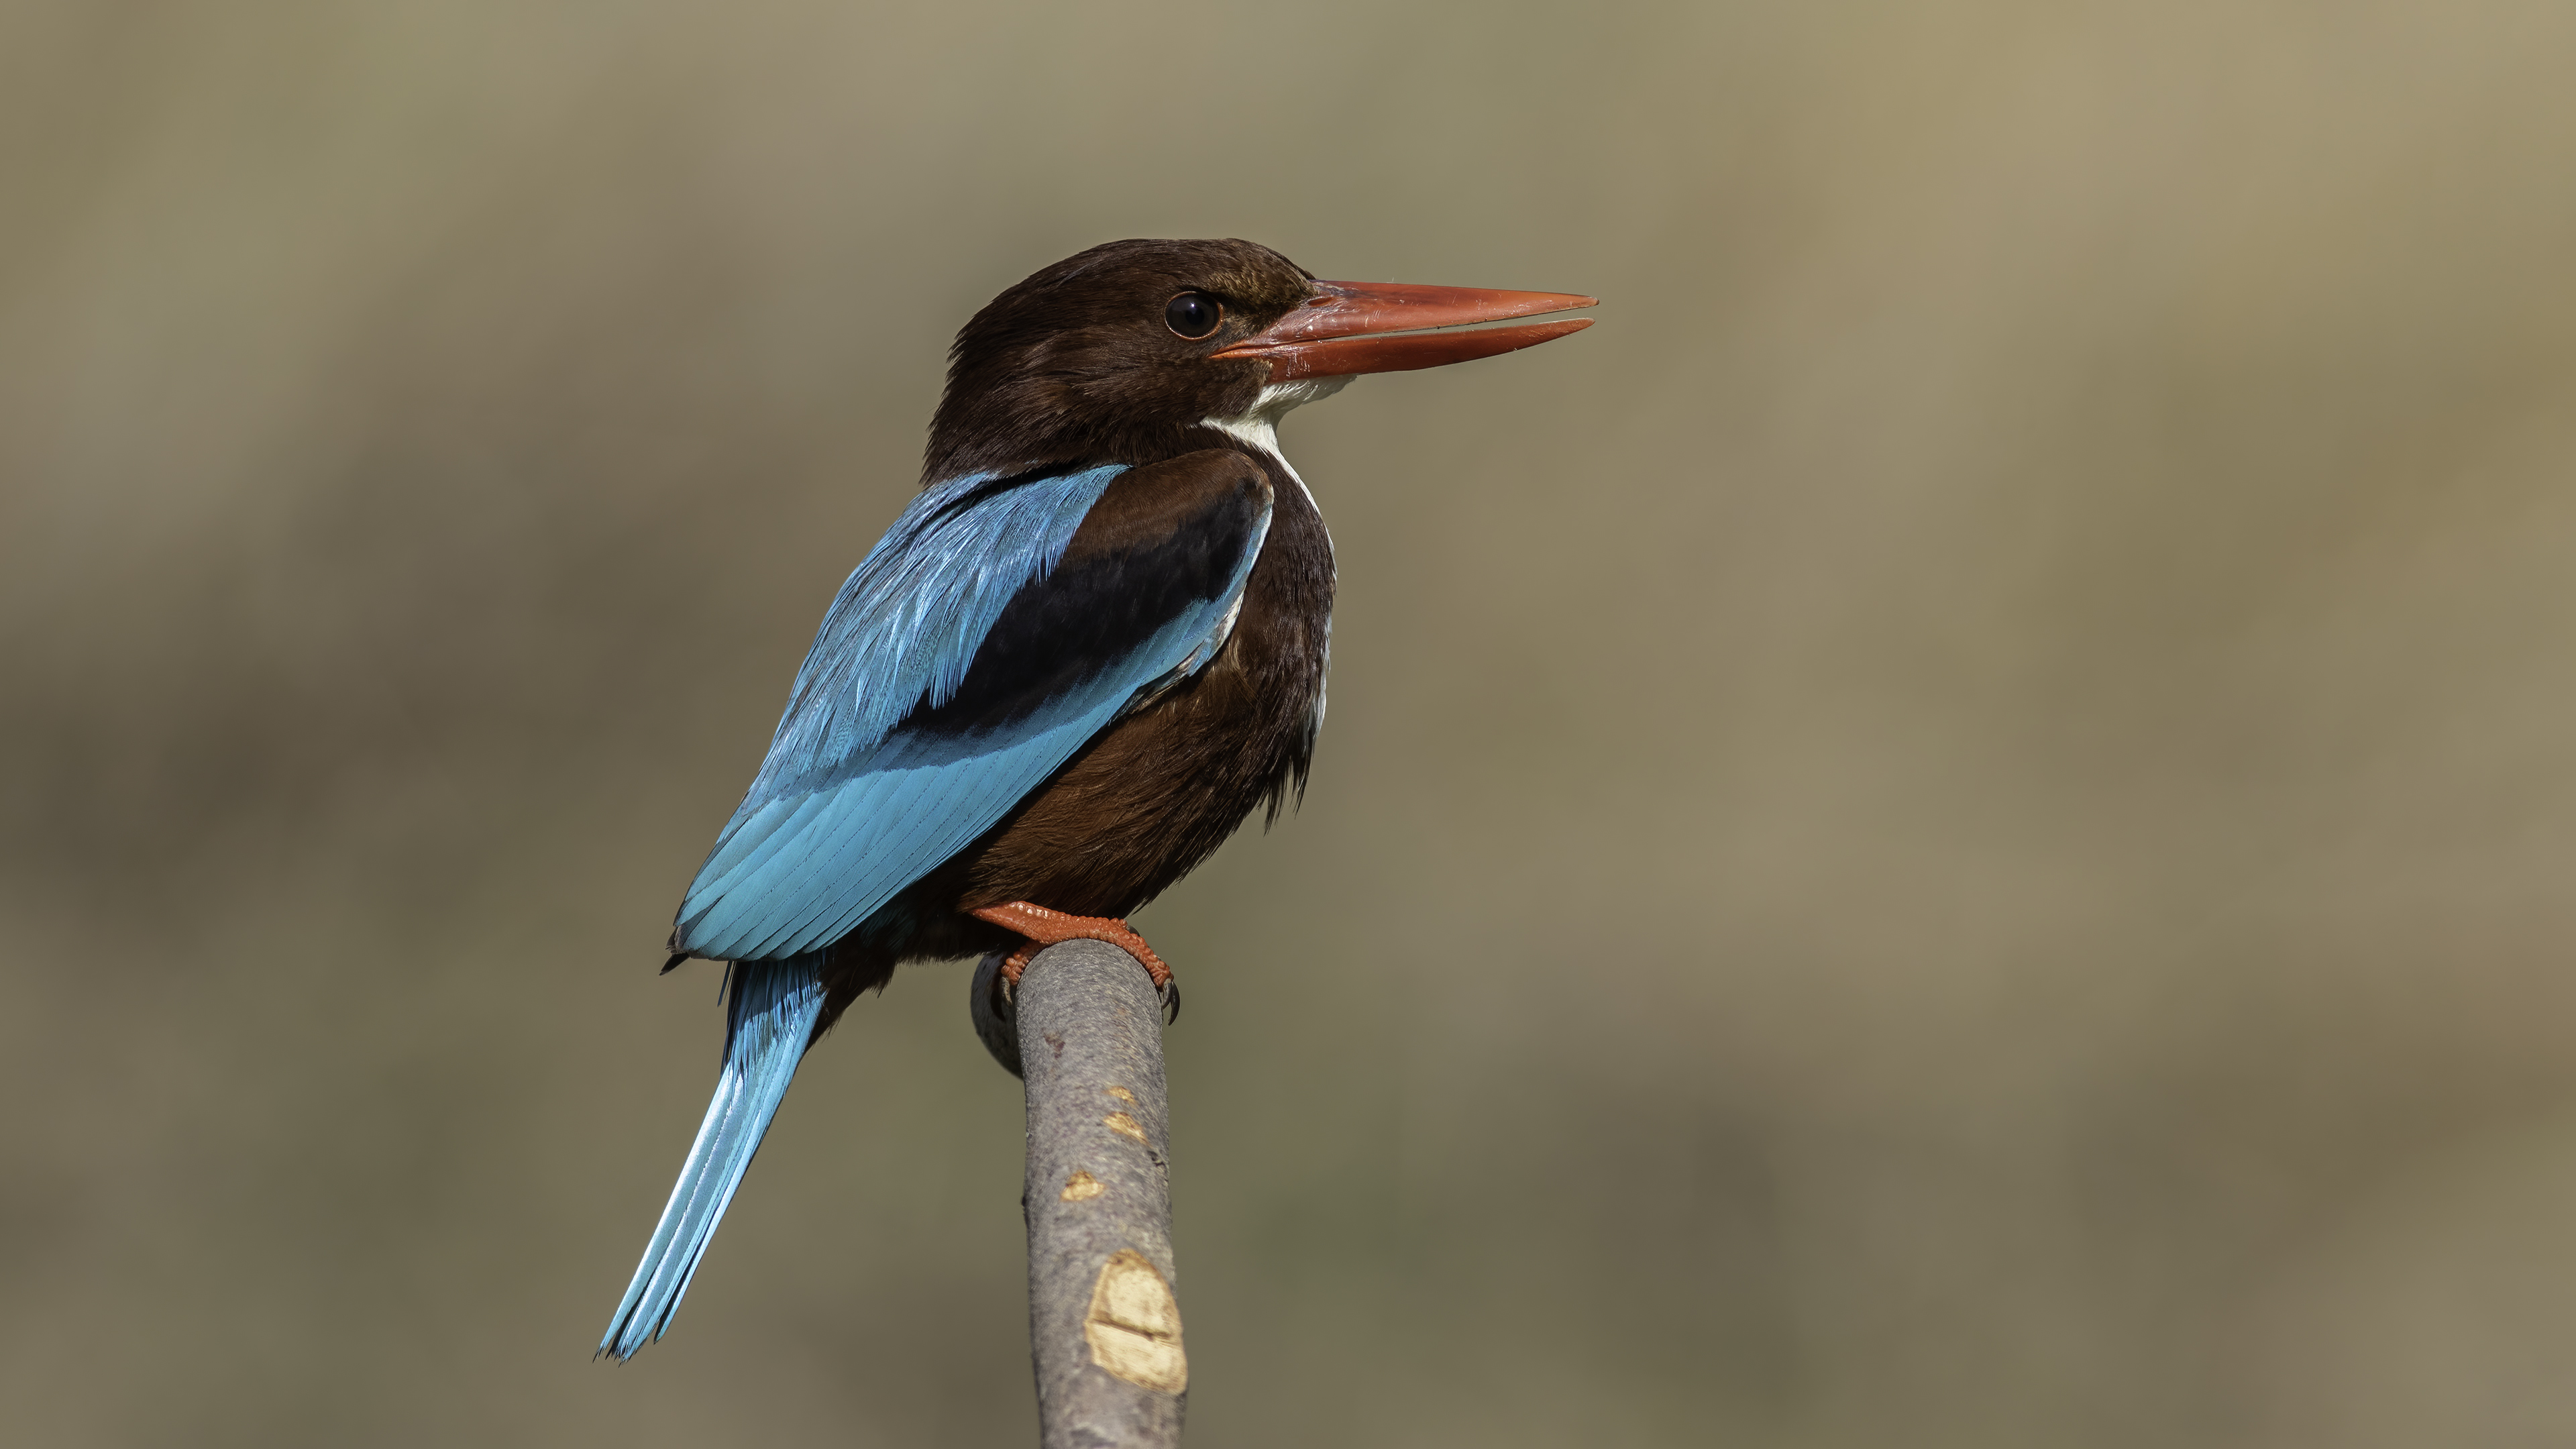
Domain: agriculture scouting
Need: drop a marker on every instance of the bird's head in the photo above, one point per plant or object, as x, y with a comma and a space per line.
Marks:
1118, 353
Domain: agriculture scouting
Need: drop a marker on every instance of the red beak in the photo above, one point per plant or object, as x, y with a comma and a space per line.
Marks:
1354, 327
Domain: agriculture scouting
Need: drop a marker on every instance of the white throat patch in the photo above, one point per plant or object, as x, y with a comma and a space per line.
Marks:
1259, 425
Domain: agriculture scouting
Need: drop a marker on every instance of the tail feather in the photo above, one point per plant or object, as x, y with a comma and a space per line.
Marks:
769, 1020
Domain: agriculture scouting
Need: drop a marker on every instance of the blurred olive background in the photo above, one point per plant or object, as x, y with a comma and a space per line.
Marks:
1955, 828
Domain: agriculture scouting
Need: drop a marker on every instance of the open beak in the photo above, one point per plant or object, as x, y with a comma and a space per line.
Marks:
1354, 327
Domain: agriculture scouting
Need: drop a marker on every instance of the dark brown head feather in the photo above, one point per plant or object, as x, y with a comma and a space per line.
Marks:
1075, 364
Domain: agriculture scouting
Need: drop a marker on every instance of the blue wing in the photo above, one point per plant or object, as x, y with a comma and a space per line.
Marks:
865, 788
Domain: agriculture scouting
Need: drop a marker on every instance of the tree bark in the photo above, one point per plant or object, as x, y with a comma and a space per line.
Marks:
1084, 1031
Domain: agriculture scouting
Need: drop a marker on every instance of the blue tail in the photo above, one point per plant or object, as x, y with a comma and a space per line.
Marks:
769, 1020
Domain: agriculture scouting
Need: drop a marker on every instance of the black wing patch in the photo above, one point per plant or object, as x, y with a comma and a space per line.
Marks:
1162, 539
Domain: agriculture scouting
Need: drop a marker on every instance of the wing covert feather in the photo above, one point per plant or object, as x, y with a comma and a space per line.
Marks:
998, 627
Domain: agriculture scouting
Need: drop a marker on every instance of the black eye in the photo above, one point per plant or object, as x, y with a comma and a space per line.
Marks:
1193, 314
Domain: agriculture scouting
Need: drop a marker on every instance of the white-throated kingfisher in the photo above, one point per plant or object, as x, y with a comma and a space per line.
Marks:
1091, 647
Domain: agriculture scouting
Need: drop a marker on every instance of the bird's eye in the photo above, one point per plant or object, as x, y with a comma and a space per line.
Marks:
1193, 314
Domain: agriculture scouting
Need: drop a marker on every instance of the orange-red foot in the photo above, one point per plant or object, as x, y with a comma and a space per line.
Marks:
1044, 928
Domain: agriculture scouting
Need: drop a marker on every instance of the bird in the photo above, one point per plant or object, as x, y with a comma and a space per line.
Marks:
1092, 645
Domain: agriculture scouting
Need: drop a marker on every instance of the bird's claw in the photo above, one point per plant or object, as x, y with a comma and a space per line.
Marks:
1045, 927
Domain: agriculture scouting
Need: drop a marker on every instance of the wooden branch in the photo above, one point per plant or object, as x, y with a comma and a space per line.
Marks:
1084, 1031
